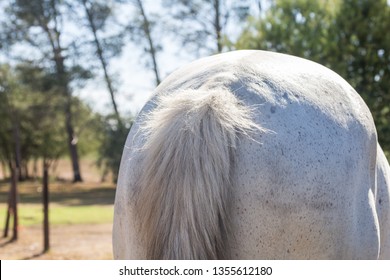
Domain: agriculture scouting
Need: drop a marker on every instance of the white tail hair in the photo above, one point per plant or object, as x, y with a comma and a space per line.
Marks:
183, 193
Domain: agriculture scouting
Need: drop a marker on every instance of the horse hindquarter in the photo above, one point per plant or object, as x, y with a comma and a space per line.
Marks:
383, 203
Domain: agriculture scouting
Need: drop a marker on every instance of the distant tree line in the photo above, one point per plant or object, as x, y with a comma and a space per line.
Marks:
50, 48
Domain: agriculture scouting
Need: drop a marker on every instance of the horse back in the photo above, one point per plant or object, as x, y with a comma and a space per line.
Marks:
304, 186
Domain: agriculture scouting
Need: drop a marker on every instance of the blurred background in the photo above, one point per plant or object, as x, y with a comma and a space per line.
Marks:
74, 74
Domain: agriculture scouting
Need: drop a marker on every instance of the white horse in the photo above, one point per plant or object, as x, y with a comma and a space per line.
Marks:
253, 155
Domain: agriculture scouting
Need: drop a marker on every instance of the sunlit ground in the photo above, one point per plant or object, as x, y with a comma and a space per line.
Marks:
80, 219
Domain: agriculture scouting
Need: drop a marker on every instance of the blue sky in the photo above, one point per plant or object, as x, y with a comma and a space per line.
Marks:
136, 81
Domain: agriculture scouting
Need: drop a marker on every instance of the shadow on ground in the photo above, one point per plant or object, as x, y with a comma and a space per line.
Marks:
63, 193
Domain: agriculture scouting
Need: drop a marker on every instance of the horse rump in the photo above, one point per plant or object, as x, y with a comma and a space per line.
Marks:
183, 193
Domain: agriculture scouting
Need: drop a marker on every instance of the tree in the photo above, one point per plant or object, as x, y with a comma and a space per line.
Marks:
110, 152
50, 149
10, 142
97, 13
39, 24
147, 29
297, 27
200, 22
31, 113
142, 30
349, 37
362, 56
203, 25
49, 145
27, 93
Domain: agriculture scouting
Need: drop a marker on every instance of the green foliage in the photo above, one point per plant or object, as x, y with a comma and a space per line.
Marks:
350, 37
38, 108
28, 97
299, 27
35, 113
7, 86
89, 127
203, 25
362, 56
112, 144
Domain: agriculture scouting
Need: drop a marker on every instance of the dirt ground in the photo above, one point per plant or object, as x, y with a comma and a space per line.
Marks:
72, 242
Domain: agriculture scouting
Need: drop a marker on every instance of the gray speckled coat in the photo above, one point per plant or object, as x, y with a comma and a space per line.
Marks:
315, 186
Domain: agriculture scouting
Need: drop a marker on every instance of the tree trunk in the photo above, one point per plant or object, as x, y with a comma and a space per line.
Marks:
35, 169
14, 200
217, 25
23, 171
45, 193
72, 144
54, 35
14, 160
103, 62
15, 172
8, 216
148, 33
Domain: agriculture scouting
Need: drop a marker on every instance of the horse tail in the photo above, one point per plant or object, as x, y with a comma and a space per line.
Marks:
184, 190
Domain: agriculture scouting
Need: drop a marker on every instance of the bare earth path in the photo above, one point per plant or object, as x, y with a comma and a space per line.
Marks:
75, 242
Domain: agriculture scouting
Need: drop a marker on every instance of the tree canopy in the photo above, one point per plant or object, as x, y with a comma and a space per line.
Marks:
51, 47
350, 37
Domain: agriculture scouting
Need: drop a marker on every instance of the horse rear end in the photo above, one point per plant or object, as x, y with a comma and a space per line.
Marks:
383, 203
253, 155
